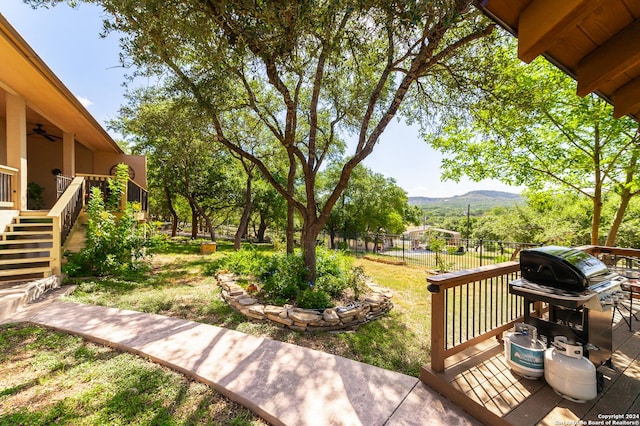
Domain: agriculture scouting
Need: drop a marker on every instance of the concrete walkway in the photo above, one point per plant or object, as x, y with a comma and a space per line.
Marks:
282, 383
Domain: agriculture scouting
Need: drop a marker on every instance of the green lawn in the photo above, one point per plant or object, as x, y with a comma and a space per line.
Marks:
48, 377
177, 287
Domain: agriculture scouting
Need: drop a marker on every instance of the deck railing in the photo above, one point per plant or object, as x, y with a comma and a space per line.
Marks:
7, 187
137, 194
473, 305
625, 261
100, 181
62, 183
470, 306
64, 215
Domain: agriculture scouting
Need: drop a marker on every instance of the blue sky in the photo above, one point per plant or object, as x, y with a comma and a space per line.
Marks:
68, 41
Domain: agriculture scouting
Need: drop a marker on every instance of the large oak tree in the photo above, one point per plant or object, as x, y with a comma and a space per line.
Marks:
311, 72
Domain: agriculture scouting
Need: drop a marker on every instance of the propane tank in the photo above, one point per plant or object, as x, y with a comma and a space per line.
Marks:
523, 352
568, 372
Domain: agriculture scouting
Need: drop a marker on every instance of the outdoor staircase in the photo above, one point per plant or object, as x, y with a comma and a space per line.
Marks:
25, 247
26, 271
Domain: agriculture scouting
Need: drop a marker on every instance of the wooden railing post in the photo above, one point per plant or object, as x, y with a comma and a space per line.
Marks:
438, 336
125, 197
56, 247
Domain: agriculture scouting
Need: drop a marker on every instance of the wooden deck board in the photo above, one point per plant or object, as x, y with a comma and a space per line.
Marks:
480, 375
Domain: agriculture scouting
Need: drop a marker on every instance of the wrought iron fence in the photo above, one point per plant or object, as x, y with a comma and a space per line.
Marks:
454, 254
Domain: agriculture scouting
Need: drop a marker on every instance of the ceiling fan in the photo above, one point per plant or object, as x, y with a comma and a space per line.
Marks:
38, 130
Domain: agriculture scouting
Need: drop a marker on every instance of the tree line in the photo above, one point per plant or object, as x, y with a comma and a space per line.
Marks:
275, 90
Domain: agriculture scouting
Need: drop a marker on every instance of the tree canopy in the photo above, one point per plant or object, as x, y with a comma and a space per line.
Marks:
309, 72
524, 125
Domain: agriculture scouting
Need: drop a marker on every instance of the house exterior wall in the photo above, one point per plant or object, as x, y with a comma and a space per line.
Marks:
44, 157
3, 143
84, 160
104, 162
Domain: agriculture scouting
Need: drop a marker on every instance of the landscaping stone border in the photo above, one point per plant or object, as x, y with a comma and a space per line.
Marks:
341, 318
385, 261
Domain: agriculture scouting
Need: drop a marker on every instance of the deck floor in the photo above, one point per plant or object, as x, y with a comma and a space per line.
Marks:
479, 379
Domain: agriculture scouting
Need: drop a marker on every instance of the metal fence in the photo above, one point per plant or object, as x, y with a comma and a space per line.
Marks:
454, 255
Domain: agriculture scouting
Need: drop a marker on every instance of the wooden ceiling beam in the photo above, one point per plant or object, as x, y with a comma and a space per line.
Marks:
543, 21
626, 99
614, 57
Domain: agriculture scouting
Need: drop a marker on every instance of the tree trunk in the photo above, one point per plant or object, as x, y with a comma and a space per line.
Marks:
597, 189
595, 223
332, 238
625, 197
200, 211
291, 209
194, 219
174, 215
309, 253
244, 219
262, 228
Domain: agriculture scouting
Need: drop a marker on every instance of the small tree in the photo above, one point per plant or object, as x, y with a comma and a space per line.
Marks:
113, 246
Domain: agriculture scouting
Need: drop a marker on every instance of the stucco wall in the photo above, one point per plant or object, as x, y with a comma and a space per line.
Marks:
84, 159
44, 156
3, 143
103, 162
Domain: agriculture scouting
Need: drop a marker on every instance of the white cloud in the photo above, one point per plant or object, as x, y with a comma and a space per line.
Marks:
85, 101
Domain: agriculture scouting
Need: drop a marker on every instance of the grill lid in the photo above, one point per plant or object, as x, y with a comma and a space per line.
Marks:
561, 267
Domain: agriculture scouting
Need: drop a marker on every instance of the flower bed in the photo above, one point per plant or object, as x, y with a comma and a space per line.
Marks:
341, 318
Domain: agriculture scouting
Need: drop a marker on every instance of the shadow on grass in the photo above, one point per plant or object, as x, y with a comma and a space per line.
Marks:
98, 385
389, 344
185, 245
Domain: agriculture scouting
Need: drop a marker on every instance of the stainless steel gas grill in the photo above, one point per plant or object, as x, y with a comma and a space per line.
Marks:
580, 291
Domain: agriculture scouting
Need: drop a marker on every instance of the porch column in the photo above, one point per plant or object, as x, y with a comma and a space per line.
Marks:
17, 144
68, 154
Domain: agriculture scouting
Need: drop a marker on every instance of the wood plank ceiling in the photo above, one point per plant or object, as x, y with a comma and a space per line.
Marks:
597, 42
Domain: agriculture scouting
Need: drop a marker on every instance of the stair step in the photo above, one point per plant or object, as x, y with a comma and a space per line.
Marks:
24, 250
23, 260
26, 271
30, 224
35, 234
32, 213
25, 241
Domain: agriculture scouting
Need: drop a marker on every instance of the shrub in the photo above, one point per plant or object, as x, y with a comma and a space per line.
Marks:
285, 277
318, 299
357, 281
246, 261
330, 284
113, 247
333, 263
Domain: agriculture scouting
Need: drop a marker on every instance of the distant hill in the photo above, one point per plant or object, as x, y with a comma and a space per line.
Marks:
483, 200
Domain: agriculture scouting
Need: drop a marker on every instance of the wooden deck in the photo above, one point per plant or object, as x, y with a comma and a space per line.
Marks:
479, 380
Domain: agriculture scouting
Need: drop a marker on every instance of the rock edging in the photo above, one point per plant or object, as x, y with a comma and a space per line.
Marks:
341, 318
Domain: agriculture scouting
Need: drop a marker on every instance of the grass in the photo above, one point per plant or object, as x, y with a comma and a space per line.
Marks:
177, 287
48, 377
67, 375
